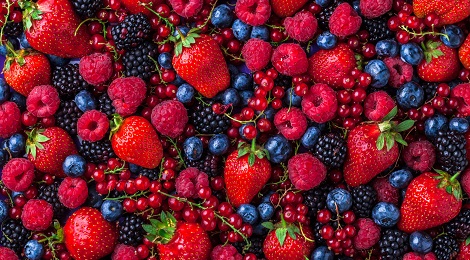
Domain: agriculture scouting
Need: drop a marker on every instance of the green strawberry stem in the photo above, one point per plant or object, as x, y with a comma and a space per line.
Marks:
35, 140
390, 131
30, 12
253, 151
283, 228
115, 124
6, 16
431, 50
449, 183
13, 55
161, 231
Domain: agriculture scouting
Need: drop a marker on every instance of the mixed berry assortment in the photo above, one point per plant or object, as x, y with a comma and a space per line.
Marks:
249, 129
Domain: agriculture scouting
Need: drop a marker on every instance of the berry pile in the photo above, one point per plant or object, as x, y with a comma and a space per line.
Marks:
241, 129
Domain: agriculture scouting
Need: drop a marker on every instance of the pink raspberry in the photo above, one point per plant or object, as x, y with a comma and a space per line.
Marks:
344, 21
73, 192
127, 94
189, 181
374, 8
302, 27
400, 71
465, 181
462, 92
96, 68
377, 105
385, 191
92, 125
253, 12
225, 252
291, 122
170, 118
7, 254
420, 155
187, 8
18, 174
34, 221
290, 59
43, 101
10, 119
306, 171
257, 54
320, 103
416, 256
124, 252
368, 234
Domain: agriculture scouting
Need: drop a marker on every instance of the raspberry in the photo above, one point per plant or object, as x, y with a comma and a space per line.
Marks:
224, 252
290, 59
127, 94
43, 101
169, 118
374, 8
385, 191
34, 221
96, 68
124, 252
302, 27
257, 54
400, 71
320, 103
10, 119
465, 181
306, 171
416, 256
253, 12
7, 254
377, 105
291, 122
189, 181
18, 174
420, 155
368, 234
461, 91
92, 125
187, 8
73, 192
344, 21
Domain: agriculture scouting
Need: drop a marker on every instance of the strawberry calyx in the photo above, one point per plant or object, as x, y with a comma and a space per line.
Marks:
390, 131
161, 231
115, 124
184, 41
13, 55
30, 12
283, 228
431, 50
35, 140
253, 151
449, 183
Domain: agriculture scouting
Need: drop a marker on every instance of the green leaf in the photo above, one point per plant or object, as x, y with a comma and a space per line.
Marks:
268, 225
151, 237
449, 189
380, 141
259, 154
42, 138
467, 241
400, 140
149, 229
191, 40
163, 217
390, 141
154, 222
457, 194
251, 159
281, 235
33, 151
266, 153
178, 49
243, 151
291, 233
391, 114
405, 125
60, 235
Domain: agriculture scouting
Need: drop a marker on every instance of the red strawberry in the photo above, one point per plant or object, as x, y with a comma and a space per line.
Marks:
136, 7
366, 156
51, 27
199, 61
431, 199
246, 172
441, 63
464, 252
48, 148
464, 53
88, 236
449, 11
284, 8
135, 140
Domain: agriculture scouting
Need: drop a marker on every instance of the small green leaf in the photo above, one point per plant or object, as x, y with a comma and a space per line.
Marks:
441, 172
457, 194
60, 235
400, 140
268, 225
163, 217
154, 222
390, 141
40, 146
243, 151
151, 237
259, 154
191, 40
291, 233
281, 235
149, 229
251, 159
467, 241
449, 189
33, 151
405, 125
380, 141
391, 114
42, 138
266, 153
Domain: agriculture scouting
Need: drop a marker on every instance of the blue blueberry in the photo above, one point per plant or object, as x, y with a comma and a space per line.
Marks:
185, 93
279, 148
241, 30
259, 230
222, 16
379, 73
326, 40
111, 210
232, 70
4, 91
24, 42
323, 3
421, 242
400, 178
74, 165
340, 198
184, 30
164, 59
85, 101
310, 137
3, 210
291, 99
219, 144
4, 156
94, 199
459, 124
268, 113
19, 99
387, 48
410, 95
3, 50
242, 81
411, 53
16, 144
260, 32
356, 7
435, 124
178, 81
134, 168
248, 213
230, 96
453, 36
193, 148
385, 214
266, 211
15, 194
245, 97
33, 250
57, 61
322, 253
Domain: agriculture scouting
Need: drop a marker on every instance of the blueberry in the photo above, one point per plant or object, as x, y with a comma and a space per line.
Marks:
459, 124
184, 30
24, 42
74, 165
245, 97
411, 53
219, 144
326, 40
356, 7
260, 32
379, 73
453, 36
3, 50
385, 214
310, 138
111, 210
232, 70
178, 81
94, 199
322, 253
164, 59
33, 250
339, 198
134, 168
268, 113
242, 81
267, 197
400, 178
4, 91
323, 3
222, 16
291, 99
421, 242
266, 211
57, 61
259, 230
85, 101
241, 30
410, 95
279, 148
3, 210
241, 128
230, 96
387, 48
15, 194
19, 99
16, 144
434, 124
248, 213
14, 42
185, 93
193, 148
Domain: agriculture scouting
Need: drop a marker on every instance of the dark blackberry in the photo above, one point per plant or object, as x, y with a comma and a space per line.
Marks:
393, 244
315, 199
206, 121
14, 235
331, 150
105, 105
256, 247
138, 61
67, 116
377, 28
68, 81
131, 231
364, 199
97, 152
49, 193
131, 32
209, 163
284, 81
460, 225
324, 15
152, 174
13, 29
86, 8
451, 153
445, 247
430, 89
319, 240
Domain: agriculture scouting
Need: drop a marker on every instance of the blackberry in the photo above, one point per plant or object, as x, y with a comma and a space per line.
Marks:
256, 247
430, 89
131, 32
324, 15
319, 240
49, 193
284, 81
152, 174
14, 235
209, 163
377, 28
68, 81
13, 29
460, 225
331, 150
138, 62
131, 231
207, 121
315, 199
364, 199
105, 105
86, 8
67, 116
393, 244
445, 247
97, 152
451, 153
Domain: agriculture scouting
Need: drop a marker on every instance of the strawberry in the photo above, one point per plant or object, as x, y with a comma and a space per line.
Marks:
53, 27
366, 156
441, 63
199, 61
284, 8
48, 148
136, 7
88, 236
464, 53
431, 199
135, 140
464, 252
246, 172
449, 11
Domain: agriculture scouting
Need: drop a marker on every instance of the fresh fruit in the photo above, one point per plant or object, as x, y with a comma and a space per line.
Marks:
306, 171
344, 21
43, 101
34, 221
170, 118
290, 59
18, 174
127, 94
302, 27
257, 54
448, 12
441, 63
253, 12
10, 119
464, 53
284, 8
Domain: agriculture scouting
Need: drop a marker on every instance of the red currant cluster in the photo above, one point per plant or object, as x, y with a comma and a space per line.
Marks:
338, 232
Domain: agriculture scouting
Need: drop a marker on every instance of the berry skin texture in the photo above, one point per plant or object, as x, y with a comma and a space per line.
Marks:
92, 125
368, 234
377, 105
344, 21
124, 252
34, 221
10, 119
290, 59
444, 67
449, 12
464, 53
284, 8
221, 252
294, 249
416, 256
73, 192
420, 155
291, 122
385, 191
18, 174
400, 71
306, 171
186, 8
7, 254
462, 91
465, 181
302, 27
258, 16
43, 101
257, 54
96, 68
127, 94
373, 8
170, 118
189, 181
320, 103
